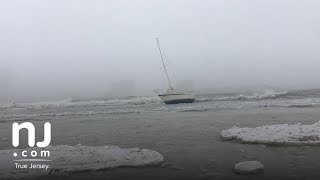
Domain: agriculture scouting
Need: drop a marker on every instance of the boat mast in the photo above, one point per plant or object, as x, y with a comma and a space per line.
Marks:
164, 66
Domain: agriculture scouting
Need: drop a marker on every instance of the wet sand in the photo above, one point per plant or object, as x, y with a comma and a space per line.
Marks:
190, 143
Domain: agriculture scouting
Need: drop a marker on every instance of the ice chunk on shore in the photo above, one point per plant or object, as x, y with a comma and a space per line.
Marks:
281, 134
65, 158
248, 167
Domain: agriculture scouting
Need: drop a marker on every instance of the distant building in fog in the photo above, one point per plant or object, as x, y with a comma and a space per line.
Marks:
186, 85
6, 82
123, 88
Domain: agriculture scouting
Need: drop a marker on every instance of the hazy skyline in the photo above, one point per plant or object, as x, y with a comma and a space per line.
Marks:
78, 47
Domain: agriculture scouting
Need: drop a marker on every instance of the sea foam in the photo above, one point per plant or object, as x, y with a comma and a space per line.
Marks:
266, 94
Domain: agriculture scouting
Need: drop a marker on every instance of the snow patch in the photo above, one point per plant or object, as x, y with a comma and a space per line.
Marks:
65, 158
248, 167
281, 134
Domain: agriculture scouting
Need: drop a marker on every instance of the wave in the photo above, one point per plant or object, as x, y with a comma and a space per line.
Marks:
9, 105
69, 102
301, 105
135, 100
10, 117
294, 103
267, 94
193, 109
44, 104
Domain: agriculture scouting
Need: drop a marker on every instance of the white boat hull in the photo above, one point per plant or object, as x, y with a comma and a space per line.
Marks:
177, 98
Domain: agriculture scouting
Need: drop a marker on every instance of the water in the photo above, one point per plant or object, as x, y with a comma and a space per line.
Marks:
207, 102
188, 135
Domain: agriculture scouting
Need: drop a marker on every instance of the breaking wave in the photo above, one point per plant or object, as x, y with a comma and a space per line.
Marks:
22, 116
137, 100
69, 102
44, 104
267, 94
294, 103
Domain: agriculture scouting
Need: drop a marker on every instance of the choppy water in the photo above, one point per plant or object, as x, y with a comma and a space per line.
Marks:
205, 102
187, 135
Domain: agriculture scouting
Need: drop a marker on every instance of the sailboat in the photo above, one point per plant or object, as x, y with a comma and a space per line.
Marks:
171, 95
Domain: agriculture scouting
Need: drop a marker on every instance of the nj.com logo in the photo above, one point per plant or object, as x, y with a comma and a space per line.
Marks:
31, 139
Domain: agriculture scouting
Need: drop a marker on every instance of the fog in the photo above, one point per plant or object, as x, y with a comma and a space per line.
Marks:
81, 47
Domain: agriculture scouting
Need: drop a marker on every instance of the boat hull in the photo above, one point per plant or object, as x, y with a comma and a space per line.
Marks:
177, 98
179, 101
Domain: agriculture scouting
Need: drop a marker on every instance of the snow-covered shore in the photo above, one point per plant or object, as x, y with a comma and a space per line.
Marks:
65, 158
280, 134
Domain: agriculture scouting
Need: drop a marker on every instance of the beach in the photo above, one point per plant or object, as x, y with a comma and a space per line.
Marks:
190, 142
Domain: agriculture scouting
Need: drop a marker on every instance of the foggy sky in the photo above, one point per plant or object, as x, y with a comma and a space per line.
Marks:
80, 47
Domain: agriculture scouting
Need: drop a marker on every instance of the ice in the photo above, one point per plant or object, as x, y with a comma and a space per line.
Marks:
248, 167
280, 134
65, 158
